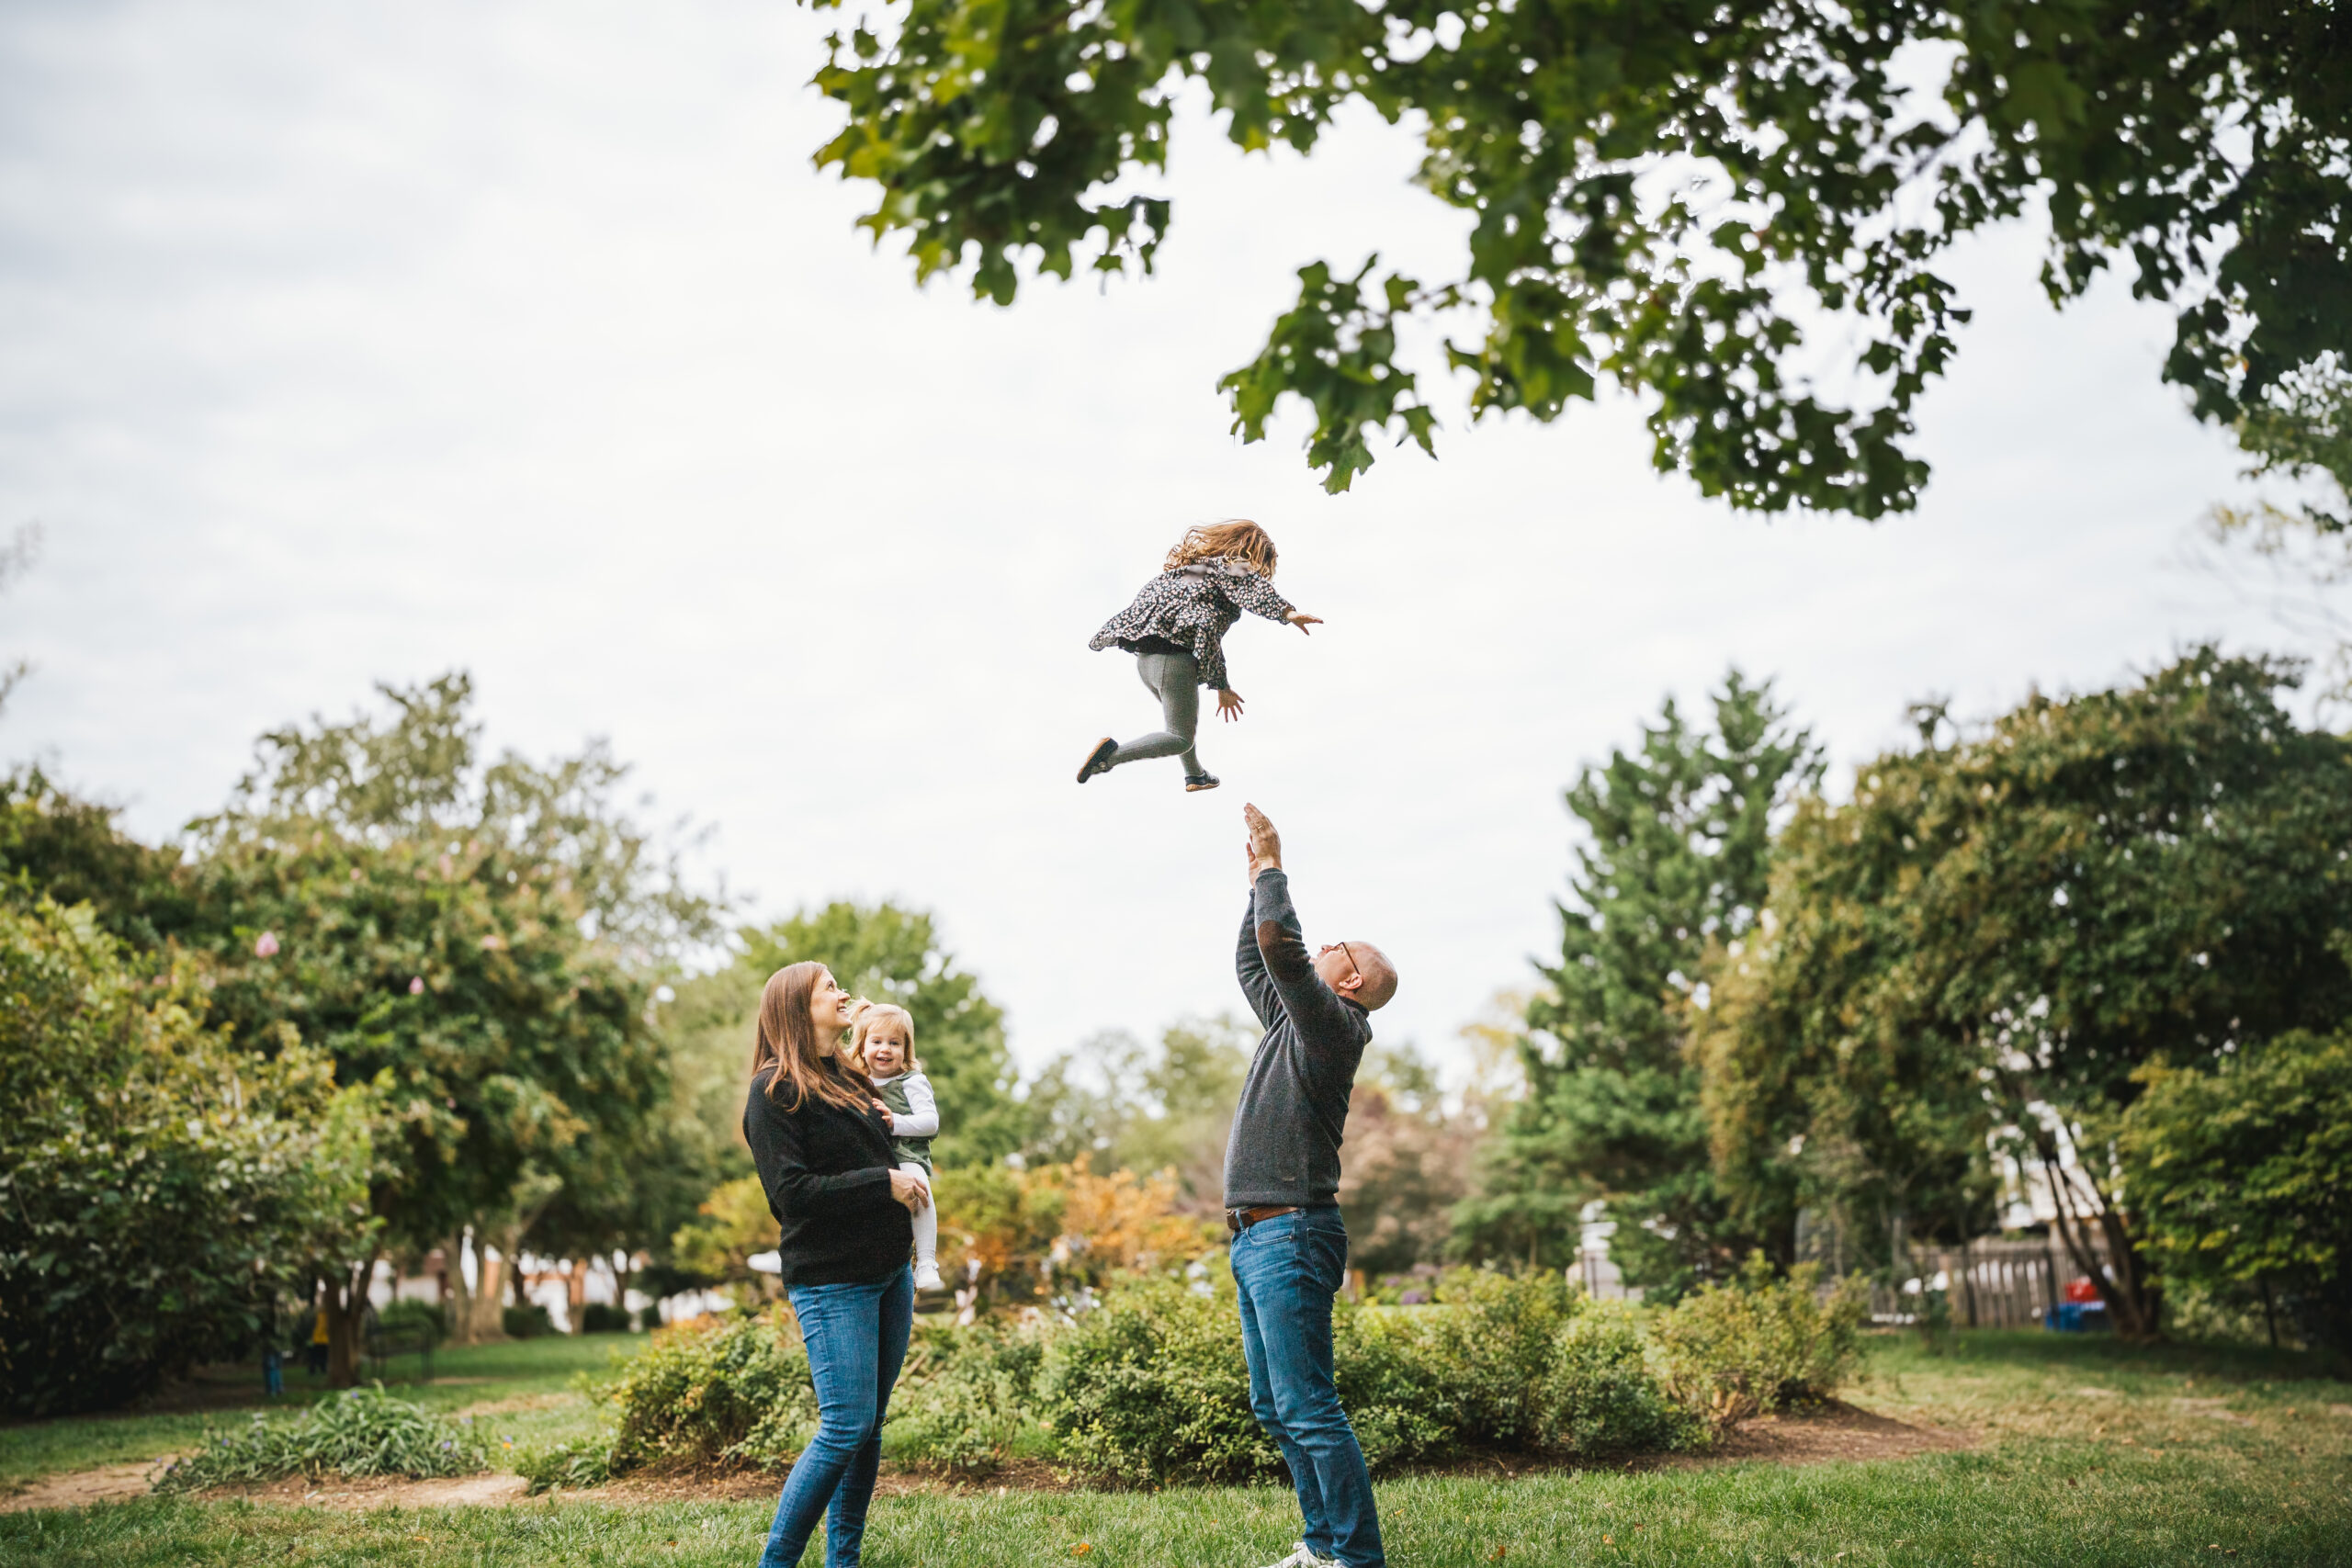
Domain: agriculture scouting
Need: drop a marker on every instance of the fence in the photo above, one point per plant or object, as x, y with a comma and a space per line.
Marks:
1989, 1285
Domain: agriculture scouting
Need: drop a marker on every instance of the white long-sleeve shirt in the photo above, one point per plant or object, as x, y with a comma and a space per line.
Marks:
924, 1120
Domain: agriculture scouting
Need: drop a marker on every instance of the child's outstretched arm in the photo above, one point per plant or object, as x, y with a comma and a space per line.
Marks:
1257, 595
922, 1120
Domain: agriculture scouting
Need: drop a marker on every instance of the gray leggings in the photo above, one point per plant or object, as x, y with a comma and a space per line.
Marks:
1175, 680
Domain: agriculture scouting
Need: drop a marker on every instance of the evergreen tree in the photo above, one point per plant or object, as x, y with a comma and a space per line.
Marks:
1676, 860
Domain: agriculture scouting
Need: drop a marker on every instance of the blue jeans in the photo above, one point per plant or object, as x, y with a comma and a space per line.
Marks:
1286, 1270
856, 1337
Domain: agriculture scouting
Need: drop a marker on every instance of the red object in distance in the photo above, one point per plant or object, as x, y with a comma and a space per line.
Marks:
2082, 1290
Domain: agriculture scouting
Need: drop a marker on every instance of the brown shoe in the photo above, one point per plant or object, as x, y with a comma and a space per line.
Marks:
1097, 760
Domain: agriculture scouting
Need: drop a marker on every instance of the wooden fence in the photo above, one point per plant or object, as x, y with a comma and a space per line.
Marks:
1988, 1284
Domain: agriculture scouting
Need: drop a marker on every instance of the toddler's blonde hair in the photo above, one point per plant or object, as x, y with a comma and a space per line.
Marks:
1235, 539
872, 1014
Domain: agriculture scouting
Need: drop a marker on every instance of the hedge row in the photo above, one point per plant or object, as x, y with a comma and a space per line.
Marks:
1150, 1386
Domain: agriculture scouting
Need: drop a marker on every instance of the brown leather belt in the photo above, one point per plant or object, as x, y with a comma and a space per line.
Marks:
1239, 1219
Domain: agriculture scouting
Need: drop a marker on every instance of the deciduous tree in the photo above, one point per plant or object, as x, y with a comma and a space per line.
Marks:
2002, 927
1736, 209
160, 1188
483, 934
2240, 1173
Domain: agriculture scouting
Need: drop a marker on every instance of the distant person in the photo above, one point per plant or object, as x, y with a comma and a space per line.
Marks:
825, 1157
1281, 1181
273, 1351
882, 1043
1176, 630
315, 1355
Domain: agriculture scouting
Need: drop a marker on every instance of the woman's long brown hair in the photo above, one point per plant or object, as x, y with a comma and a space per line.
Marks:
787, 1051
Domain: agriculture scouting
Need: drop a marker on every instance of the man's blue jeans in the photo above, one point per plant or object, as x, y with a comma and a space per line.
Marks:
856, 1337
1287, 1269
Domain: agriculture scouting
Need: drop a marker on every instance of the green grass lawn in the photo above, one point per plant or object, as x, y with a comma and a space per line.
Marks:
2090, 1453
524, 1389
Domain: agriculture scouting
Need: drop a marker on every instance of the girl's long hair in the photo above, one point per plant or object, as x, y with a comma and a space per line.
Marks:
1235, 539
873, 1015
787, 1051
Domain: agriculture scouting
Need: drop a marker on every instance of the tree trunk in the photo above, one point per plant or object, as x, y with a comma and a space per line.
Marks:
346, 1307
624, 1272
2129, 1292
473, 1309
575, 1294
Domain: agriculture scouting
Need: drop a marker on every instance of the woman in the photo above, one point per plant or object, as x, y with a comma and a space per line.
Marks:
824, 1155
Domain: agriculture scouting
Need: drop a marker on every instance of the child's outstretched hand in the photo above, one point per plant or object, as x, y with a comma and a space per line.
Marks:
1302, 620
1229, 705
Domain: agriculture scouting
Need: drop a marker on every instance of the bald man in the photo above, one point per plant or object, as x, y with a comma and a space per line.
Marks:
1282, 1184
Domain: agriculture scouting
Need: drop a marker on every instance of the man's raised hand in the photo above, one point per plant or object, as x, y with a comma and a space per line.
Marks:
1265, 844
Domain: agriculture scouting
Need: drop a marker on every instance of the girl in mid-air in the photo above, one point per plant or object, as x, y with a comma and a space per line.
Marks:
883, 1038
1176, 630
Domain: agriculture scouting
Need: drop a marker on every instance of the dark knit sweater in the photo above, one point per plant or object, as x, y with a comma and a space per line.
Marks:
827, 1172
1284, 1147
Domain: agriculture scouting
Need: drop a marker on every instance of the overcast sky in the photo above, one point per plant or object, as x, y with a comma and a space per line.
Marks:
358, 343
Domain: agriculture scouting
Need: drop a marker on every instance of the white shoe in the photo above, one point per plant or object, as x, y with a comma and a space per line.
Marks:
927, 1277
1301, 1558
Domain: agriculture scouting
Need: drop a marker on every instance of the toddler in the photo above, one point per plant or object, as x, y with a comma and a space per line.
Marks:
1176, 630
883, 1039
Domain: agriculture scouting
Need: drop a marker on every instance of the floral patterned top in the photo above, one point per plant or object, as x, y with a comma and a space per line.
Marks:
1194, 606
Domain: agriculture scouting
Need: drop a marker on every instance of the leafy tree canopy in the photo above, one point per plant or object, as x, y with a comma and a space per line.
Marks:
416, 775
159, 1188
1996, 934
485, 933
1736, 208
2242, 1173
893, 954
1674, 861
54, 844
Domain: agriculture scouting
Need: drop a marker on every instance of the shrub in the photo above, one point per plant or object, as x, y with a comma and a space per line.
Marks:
414, 1317
1737, 1349
1521, 1362
1488, 1351
525, 1321
1150, 1387
360, 1432
729, 1392
964, 1398
1601, 1395
1385, 1385
587, 1463
597, 1317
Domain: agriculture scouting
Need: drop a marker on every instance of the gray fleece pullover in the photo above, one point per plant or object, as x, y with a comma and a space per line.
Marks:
1285, 1142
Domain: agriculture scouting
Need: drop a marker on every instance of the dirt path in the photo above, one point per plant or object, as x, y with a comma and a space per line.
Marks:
1837, 1431
108, 1483
1834, 1433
